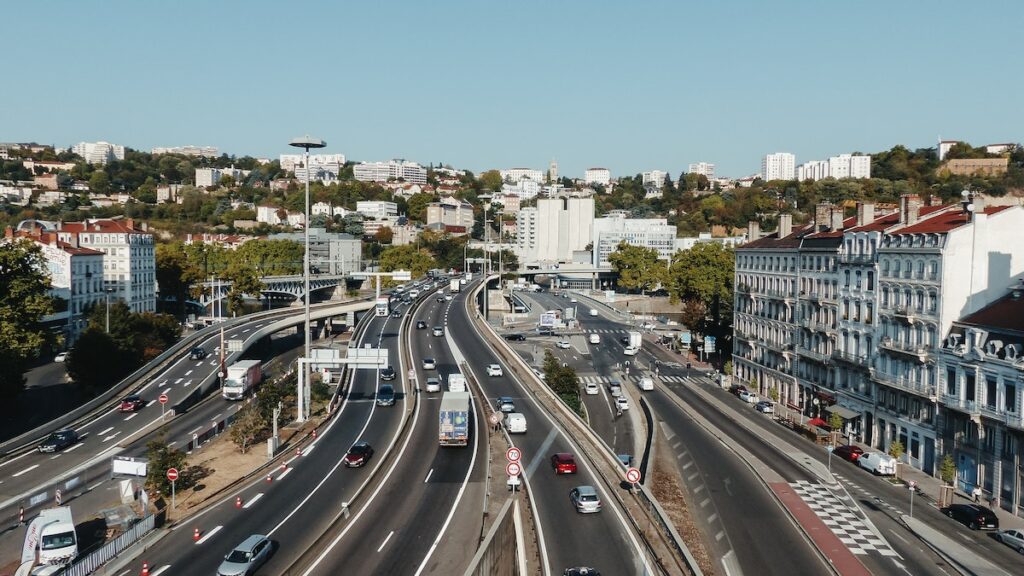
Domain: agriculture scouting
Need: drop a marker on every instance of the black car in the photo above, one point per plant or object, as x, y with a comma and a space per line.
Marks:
973, 516
581, 571
396, 314
439, 298
197, 353
58, 441
387, 373
420, 325
386, 395
515, 337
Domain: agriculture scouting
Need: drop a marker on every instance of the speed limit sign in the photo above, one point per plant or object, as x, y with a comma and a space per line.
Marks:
513, 469
514, 454
632, 475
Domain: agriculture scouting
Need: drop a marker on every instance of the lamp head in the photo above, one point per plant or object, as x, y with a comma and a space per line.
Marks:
307, 142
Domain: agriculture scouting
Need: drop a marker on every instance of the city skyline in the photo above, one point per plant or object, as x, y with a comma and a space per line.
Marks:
587, 92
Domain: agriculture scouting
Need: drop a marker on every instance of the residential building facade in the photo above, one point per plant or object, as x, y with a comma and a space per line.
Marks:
601, 176
98, 152
705, 168
514, 175
454, 215
778, 166
838, 167
612, 230
377, 208
329, 252
554, 229
655, 177
410, 172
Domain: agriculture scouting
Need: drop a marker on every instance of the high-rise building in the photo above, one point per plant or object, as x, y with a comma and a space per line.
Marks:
778, 166
656, 177
611, 230
553, 172
410, 172
838, 167
554, 229
212, 176
329, 252
705, 168
601, 176
98, 152
452, 214
197, 151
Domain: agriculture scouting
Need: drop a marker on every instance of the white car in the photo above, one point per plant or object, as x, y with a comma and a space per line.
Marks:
433, 384
591, 388
621, 402
448, 297
494, 370
60, 357
1013, 538
646, 383
631, 350
595, 338
572, 300
429, 364
539, 374
593, 311
562, 344
877, 463
748, 397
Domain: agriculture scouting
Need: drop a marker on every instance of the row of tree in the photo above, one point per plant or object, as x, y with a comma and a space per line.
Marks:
24, 301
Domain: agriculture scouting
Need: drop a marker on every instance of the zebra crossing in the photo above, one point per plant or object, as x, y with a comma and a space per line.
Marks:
632, 378
606, 331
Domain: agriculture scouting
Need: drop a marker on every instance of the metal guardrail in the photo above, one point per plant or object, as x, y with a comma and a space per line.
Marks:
89, 564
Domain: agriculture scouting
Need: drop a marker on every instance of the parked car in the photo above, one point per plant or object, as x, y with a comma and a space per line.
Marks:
749, 397
247, 557
735, 389
387, 373
420, 324
562, 344
765, 407
494, 370
585, 499
433, 384
61, 357
621, 403
429, 364
386, 395
438, 331
877, 463
973, 516
591, 388
505, 404
59, 440
563, 463
132, 403
358, 454
848, 452
1012, 538
515, 337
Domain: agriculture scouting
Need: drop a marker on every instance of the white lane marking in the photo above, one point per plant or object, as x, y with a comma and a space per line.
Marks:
308, 450
428, 476
253, 501
219, 414
29, 469
194, 431
286, 472
75, 447
188, 373
55, 456
112, 436
130, 416
384, 543
187, 383
166, 390
150, 403
178, 381
712, 518
105, 431
208, 535
160, 570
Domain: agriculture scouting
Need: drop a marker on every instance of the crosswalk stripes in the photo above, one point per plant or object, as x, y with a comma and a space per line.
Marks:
632, 377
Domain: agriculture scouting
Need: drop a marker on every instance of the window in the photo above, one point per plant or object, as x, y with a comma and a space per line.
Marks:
990, 391
969, 387
846, 278
1010, 397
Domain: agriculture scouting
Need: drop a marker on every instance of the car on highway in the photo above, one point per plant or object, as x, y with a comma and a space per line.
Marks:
595, 338
247, 557
621, 403
387, 373
414, 294
396, 314
593, 311
358, 454
572, 301
59, 440
515, 337
439, 299
515, 423
448, 297
615, 388
429, 364
505, 404
386, 395
877, 463
562, 344
749, 397
131, 403
563, 463
494, 370
581, 571
60, 357
1012, 538
848, 452
973, 516
433, 384
420, 324
646, 383
197, 353
585, 499
765, 407
437, 331
631, 350
591, 388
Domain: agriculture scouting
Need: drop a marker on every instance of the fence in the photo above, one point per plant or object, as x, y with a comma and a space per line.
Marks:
99, 557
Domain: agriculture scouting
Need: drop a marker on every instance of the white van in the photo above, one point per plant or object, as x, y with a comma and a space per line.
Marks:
58, 543
877, 463
647, 383
595, 338
515, 423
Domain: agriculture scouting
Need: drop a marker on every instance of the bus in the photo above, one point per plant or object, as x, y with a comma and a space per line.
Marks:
383, 306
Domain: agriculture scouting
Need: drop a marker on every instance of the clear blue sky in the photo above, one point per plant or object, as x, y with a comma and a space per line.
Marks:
630, 86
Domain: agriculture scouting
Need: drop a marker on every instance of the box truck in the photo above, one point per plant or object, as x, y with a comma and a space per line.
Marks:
456, 382
454, 419
454, 285
241, 378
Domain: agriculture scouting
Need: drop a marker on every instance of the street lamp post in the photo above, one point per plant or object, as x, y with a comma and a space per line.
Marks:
107, 292
306, 142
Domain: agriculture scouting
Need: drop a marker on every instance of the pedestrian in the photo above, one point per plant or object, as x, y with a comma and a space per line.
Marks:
992, 502
976, 493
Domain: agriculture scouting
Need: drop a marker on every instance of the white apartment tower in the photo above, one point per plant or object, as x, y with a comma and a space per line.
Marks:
601, 176
656, 177
610, 231
98, 152
778, 166
514, 175
705, 168
556, 228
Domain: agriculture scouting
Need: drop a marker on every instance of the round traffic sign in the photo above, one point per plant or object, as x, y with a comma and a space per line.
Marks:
513, 469
163, 398
632, 475
172, 474
495, 417
513, 454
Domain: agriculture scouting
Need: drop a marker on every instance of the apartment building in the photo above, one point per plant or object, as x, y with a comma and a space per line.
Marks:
554, 229
524, 189
98, 152
328, 162
329, 252
616, 228
778, 166
705, 168
514, 175
838, 167
410, 172
196, 151
655, 177
601, 176
510, 203
206, 177
452, 214
378, 209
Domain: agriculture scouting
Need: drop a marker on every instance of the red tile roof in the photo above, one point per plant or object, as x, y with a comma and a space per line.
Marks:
943, 222
1007, 313
108, 226
772, 241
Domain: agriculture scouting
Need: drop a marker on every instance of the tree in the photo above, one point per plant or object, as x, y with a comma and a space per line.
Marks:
99, 182
96, 362
947, 469
835, 423
694, 315
245, 281
491, 180
176, 274
705, 273
248, 427
23, 303
418, 206
727, 369
408, 257
896, 450
385, 235
162, 457
638, 267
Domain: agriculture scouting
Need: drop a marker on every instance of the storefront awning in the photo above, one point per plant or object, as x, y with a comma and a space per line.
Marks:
844, 413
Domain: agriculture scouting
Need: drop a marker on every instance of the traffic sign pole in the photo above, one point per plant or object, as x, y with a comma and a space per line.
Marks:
172, 475
163, 404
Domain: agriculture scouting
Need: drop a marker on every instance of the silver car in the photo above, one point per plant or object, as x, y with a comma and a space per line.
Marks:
246, 557
585, 499
1012, 538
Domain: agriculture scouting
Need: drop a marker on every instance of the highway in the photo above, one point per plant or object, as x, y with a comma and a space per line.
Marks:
603, 540
301, 500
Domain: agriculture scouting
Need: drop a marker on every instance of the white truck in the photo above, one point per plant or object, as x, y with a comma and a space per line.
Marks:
454, 285
633, 345
242, 376
456, 382
58, 543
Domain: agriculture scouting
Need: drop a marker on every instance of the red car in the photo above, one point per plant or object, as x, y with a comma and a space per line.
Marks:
563, 463
132, 403
848, 452
358, 455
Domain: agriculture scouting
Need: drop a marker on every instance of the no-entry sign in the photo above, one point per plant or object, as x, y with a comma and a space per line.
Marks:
172, 474
163, 398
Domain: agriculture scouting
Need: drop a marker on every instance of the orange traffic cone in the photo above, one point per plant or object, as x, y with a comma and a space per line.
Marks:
298, 451
145, 569
238, 502
314, 433
269, 478
195, 535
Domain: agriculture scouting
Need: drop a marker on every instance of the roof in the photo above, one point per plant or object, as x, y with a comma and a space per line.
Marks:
944, 222
1007, 313
772, 241
116, 226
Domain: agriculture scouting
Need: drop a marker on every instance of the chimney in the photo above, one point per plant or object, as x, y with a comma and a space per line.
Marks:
785, 225
821, 215
753, 230
836, 222
130, 223
910, 208
865, 213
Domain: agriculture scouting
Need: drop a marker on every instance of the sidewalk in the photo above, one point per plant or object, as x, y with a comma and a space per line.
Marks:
952, 550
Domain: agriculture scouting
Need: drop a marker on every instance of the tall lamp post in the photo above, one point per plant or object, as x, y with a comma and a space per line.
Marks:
107, 292
306, 142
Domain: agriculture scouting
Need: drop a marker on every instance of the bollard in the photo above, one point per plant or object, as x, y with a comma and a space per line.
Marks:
314, 433
195, 535
238, 502
145, 569
298, 451
21, 515
269, 478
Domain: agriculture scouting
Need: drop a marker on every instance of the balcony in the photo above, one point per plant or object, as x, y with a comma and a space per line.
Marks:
786, 348
778, 294
901, 383
857, 258
807, 353
977, 409
918, 352
851, 359
904, 313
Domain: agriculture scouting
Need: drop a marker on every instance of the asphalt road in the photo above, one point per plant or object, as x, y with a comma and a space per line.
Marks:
600, 540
